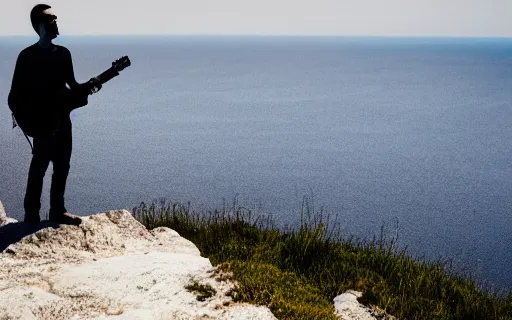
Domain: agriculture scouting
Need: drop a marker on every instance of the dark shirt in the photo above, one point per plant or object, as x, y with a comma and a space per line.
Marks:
43, 78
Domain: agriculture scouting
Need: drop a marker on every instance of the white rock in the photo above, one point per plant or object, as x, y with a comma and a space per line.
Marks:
348, 308
111, 267
3, 216
2, 212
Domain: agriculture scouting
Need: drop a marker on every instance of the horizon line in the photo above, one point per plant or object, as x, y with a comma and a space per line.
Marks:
263, 35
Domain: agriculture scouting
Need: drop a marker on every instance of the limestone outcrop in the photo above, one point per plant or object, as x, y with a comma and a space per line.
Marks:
347, 307
109, 267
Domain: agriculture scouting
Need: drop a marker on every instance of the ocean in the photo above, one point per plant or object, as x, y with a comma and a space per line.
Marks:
409, 134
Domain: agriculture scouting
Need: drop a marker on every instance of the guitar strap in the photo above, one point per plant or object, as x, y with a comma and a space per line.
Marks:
14, 125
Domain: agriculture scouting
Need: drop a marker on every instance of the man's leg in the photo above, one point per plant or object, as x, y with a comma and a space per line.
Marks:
38, 166
61, 157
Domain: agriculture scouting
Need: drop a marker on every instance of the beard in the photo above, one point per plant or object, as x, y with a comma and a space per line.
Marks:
52, 32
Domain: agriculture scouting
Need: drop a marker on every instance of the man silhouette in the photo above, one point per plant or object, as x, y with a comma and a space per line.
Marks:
44, 90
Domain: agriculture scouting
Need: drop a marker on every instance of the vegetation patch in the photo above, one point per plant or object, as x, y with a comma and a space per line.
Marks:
298, 272
287, 296
202, 291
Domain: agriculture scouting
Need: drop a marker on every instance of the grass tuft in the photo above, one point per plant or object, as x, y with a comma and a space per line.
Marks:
287, 295
203, 291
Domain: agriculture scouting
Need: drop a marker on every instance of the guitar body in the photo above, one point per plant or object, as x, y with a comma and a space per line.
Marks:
29, 120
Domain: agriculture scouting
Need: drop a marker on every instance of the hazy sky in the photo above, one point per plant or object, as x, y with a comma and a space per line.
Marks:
324, 17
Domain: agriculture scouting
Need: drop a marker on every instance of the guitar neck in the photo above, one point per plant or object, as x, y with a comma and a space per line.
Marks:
108, 75
112, 72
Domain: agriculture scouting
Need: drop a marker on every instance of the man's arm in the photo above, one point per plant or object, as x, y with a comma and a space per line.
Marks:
25, 97
79, 91
18, 95
84, 88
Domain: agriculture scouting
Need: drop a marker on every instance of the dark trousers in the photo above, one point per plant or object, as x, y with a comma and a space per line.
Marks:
53, 146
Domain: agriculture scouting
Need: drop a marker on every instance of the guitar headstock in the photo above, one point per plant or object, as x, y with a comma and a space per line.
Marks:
121, 63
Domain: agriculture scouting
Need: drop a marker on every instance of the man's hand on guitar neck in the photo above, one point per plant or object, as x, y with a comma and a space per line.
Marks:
85, 90
93, 85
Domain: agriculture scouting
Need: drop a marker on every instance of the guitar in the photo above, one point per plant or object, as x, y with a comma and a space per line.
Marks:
73, 99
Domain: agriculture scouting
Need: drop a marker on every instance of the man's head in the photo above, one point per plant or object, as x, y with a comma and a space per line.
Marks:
44, 21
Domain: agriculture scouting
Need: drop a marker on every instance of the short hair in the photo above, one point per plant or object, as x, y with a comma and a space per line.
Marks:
36, 15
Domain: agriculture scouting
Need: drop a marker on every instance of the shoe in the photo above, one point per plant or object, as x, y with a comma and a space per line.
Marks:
32, 219
65, 218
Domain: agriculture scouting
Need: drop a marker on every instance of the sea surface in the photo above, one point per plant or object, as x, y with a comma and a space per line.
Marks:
410, 134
